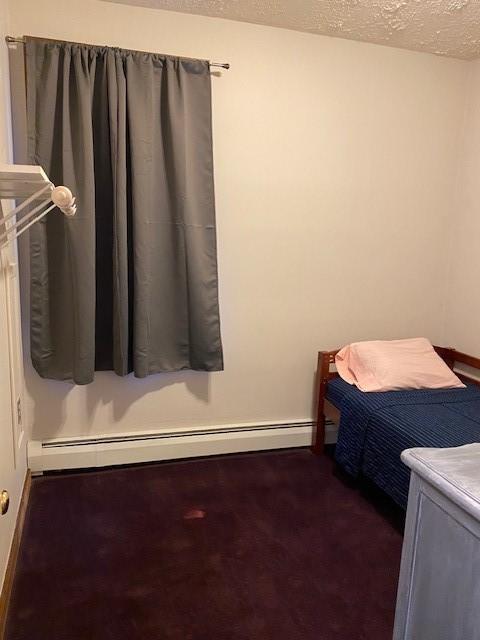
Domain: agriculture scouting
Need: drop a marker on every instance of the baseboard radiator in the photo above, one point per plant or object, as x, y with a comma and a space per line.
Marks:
131, 448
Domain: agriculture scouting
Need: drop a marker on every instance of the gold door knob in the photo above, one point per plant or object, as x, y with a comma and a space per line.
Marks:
4, 502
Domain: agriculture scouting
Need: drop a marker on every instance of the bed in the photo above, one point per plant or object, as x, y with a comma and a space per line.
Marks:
374, 428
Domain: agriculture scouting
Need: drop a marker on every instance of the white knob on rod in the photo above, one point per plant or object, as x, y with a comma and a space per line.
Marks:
63, 198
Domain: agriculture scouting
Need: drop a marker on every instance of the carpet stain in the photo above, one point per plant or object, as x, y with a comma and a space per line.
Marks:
194, 514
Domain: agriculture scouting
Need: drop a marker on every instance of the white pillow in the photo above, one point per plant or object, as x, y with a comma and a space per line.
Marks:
389, 365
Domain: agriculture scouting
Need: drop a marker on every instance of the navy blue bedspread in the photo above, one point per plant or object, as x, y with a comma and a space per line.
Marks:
376, 427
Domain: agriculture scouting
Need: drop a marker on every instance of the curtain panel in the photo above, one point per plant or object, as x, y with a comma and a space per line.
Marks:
130, 283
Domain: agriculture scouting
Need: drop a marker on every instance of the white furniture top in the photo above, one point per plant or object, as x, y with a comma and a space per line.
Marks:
454, 471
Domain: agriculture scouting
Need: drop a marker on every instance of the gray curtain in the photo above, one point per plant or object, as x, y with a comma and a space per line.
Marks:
130, 283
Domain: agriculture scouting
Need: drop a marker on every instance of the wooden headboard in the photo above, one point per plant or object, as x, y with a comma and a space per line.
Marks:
325, 409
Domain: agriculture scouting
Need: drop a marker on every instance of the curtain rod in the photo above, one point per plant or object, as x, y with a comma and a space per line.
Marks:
13, 40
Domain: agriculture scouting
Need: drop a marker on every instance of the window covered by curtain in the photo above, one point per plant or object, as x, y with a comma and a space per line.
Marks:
130, 283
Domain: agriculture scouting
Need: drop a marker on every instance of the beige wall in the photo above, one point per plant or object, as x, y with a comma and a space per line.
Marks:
12, 459
463, 293
335, 170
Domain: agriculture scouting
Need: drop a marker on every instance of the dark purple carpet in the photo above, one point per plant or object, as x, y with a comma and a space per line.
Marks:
268, 546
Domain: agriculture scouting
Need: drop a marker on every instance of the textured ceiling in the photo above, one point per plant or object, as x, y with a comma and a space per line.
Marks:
445, 27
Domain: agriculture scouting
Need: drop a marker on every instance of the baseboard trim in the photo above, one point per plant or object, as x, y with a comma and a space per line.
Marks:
150, 446
13, 555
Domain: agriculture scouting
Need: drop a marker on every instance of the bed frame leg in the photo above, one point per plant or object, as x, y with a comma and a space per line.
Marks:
323, 370
318, 446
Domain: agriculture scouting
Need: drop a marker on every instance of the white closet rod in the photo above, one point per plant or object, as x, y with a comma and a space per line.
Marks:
30, 183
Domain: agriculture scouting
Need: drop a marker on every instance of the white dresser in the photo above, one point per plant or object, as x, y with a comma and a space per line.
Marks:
439, 587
